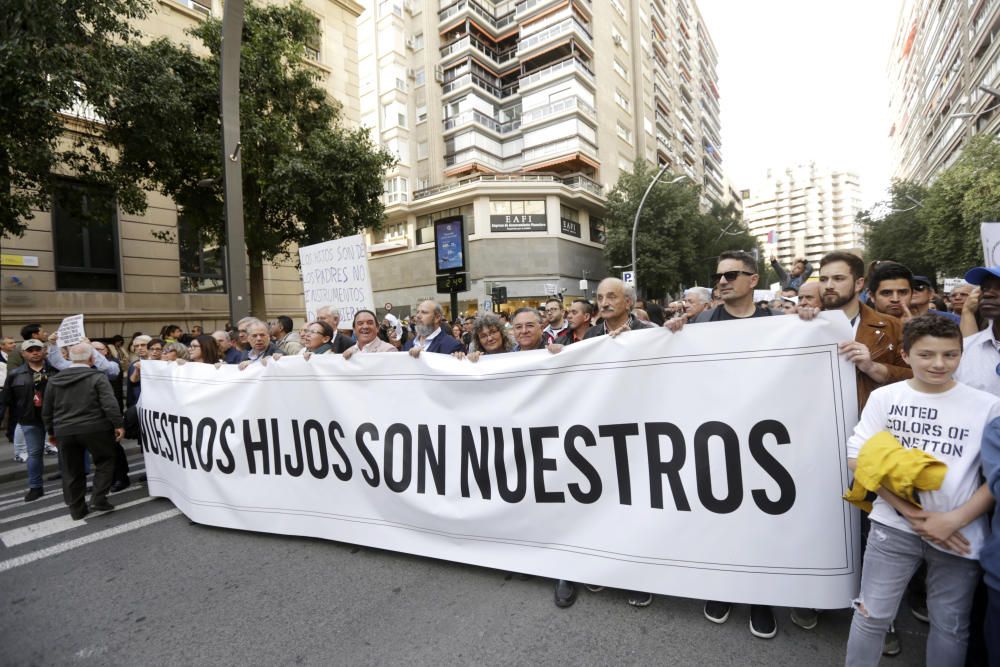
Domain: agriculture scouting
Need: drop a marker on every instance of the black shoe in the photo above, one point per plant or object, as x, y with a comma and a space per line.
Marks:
565, 593
717, 612
120, 486
762, 623
640, 599
79, 515
918, 606
101, 505
34, 493
891, 646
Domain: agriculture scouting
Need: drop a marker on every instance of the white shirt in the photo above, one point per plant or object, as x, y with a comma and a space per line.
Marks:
424, 342
980, 358
948, 426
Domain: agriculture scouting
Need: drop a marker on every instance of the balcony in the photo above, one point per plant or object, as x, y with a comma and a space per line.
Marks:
470, 43
479, 118
574, 182
394, 198
562, 68
567, 27
558, 148
473, 7
558, 107
474, 79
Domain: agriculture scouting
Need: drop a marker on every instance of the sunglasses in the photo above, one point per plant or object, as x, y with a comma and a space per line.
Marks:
920, 287
730, 276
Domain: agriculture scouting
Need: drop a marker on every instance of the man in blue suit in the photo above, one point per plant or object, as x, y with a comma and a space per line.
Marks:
430, 336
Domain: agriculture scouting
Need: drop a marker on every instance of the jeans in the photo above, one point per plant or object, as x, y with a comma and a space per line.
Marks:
20, 446
991, 629
891, 558
34, 437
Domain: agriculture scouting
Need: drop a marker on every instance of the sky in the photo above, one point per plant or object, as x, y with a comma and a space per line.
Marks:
803, 81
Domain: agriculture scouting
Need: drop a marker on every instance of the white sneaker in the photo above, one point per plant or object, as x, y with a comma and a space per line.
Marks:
20, 458
51, 451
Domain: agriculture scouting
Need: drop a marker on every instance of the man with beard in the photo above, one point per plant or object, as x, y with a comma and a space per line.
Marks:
555, 316
430, 336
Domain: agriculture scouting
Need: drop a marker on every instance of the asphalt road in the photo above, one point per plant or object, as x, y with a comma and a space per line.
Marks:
144, 586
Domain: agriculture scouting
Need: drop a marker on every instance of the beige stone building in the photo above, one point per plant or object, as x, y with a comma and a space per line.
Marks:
517, 118
118, 274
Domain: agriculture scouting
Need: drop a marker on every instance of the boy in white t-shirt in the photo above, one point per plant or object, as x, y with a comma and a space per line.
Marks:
946, 419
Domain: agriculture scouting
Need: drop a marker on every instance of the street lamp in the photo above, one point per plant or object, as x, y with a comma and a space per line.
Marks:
638, 212
976, 114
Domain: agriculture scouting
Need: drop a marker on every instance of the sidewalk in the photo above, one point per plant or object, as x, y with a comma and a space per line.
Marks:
11, 470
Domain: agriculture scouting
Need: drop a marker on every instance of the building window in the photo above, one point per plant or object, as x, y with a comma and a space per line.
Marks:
419, 76
202, 262
421, 150
417, 41
623, 132
313, 43
515, 207
85, 237
421, 113
619, 8
597, 234
620, 69
200, 6
622, 101
425, 223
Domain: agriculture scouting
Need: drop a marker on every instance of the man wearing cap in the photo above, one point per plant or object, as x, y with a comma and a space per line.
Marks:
23, 393
981, 356
920, 299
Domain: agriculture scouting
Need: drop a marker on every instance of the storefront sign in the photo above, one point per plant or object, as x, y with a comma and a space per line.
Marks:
570, 227
519, 223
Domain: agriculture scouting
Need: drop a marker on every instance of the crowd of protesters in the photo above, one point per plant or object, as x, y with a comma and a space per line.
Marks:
912, 349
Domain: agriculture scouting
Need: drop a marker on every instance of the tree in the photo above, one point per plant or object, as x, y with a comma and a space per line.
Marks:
676, 243
306, 178
963, 196
54, 56
895, 230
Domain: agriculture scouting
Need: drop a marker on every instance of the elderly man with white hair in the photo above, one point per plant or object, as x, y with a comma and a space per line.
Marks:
696, 301
81, 414
331, 315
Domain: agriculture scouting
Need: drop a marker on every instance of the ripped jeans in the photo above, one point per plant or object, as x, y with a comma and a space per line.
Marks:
891, 558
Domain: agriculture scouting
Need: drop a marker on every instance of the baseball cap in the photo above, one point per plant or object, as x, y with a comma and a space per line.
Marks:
923, 279
30, 343
977, 275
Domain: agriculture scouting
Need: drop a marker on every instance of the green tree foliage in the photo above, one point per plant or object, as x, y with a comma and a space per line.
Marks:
54, 55
676, 244
963, 196
306, 177
895, 229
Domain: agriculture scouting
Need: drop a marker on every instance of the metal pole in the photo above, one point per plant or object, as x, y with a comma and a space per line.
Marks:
635, 224
229, 97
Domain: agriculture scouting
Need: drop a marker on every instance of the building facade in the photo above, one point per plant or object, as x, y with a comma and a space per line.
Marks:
518, 117
804, 211
118, 273
944, 63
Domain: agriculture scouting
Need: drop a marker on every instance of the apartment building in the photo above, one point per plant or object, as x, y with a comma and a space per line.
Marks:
118, 274
517, 118
944, 80
804, 211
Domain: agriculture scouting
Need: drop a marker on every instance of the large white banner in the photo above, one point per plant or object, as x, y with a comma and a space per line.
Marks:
707, 464
335, 273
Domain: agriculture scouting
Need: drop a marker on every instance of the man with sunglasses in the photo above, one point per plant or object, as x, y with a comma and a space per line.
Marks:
735, 277
23, 393
920, 299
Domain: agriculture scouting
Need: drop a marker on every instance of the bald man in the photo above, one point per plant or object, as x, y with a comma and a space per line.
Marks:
80, 413
430, 336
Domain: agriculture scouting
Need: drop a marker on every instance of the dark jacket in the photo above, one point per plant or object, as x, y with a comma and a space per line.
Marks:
271, 349
444, 343
80, 400
341, 342
719, 314
233, 355
19, 392
633, 324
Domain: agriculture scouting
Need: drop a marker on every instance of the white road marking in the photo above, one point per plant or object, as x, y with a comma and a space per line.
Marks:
87, 539
56, 506
54, 489
37, 531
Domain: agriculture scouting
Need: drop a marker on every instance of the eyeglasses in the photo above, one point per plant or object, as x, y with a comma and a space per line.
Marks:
730, 276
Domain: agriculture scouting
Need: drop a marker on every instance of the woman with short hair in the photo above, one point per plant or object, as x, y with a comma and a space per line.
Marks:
174, 351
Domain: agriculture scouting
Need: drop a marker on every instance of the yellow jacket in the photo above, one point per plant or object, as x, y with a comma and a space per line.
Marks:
883, 461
